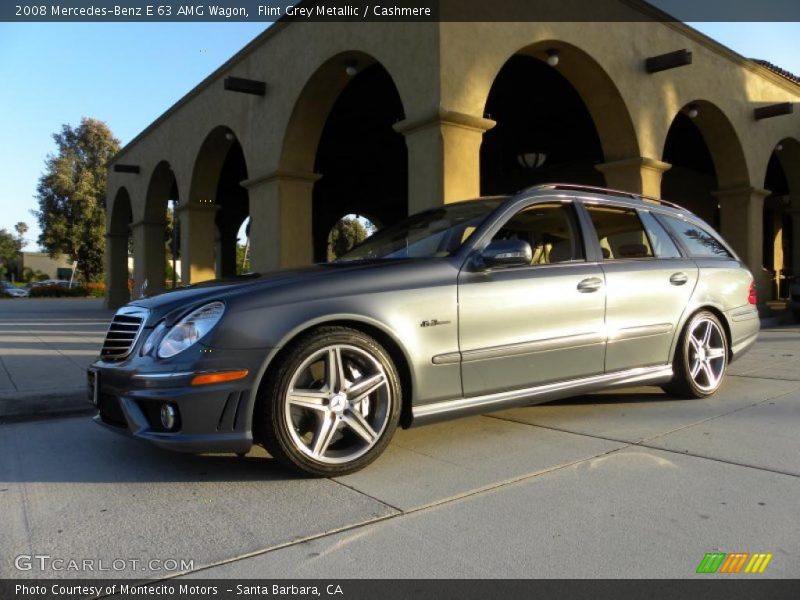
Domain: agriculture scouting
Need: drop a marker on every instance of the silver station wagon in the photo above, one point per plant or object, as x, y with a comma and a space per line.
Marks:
461, 309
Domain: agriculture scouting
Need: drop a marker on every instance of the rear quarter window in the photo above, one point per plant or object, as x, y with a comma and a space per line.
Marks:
663, 246
700, 242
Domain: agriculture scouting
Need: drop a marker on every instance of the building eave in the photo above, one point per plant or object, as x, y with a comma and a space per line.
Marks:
640, 5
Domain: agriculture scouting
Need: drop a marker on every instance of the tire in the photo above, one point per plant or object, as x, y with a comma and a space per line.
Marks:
332, 403
701, 358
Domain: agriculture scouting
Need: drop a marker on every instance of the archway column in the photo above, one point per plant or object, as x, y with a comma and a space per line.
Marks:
741, 224
198, 235
116, 270
640, 175
443, 157
227, 229
280, 220
794, 212
149, 256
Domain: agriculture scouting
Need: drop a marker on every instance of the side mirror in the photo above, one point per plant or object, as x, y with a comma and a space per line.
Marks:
506, 253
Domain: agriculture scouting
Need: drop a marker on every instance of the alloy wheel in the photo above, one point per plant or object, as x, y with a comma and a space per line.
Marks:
337, 404
707, 354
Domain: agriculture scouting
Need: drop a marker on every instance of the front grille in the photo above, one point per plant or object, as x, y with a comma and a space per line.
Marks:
123, 333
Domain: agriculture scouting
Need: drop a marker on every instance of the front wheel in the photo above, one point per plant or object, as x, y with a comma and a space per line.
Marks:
700, 359
332, 404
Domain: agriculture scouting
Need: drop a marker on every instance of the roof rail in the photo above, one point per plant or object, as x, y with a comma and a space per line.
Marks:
601, 190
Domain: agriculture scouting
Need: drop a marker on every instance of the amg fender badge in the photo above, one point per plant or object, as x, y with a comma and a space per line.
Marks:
433, 323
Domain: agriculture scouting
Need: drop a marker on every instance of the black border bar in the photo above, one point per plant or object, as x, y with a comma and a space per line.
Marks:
731, 587
268, 11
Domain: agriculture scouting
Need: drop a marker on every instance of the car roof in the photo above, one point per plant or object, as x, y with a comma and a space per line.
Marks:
608, 196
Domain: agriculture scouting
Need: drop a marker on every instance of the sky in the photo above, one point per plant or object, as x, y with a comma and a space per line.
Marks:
127, 74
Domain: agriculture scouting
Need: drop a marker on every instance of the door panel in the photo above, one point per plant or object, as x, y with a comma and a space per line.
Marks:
538, 323
645, 302
524, 327
648, 285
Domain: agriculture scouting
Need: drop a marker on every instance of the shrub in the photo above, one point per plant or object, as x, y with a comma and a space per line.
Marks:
57, 291
95, 290
29, 274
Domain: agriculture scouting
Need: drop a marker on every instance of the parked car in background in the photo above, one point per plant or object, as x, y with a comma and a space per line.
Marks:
9, 289
462, 309
59, 282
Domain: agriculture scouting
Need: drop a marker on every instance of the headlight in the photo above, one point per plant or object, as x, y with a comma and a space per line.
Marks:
190, 329
154, 336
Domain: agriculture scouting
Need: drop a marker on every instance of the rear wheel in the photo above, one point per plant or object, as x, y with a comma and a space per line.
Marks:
700, 359
332, 405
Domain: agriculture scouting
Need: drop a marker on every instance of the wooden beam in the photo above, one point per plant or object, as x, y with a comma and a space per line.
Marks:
670, 60
245, 86
126, 168
773, 110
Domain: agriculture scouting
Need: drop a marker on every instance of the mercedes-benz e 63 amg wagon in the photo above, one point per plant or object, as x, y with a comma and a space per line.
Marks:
464, 308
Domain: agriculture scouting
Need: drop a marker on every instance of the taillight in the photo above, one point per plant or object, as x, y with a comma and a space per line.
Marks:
752, 297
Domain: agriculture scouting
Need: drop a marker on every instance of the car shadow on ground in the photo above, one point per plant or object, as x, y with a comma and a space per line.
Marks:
620, 396
76, 450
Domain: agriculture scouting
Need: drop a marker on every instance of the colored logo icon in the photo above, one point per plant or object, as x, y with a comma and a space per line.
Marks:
735, 562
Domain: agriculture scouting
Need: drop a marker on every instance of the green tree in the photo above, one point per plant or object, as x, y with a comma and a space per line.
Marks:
21, 228
345, 234
71, 195
242, 259
10, 247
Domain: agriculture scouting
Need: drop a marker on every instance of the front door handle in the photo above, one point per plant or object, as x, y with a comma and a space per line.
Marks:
589, 285
678, 278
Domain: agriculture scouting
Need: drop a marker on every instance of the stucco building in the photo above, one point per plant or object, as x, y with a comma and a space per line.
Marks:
59, 267
383, 119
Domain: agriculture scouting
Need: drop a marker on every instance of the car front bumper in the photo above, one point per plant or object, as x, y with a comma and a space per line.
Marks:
210, 418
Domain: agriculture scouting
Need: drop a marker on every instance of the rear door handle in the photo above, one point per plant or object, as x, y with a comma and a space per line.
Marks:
589, 285
678, 278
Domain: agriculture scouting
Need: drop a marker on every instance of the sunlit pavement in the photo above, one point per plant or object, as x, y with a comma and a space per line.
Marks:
45, 346
623, 484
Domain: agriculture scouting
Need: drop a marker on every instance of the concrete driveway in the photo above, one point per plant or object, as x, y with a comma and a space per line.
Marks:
624, 484
45, 346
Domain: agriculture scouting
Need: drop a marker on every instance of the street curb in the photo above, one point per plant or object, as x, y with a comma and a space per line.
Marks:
44, 405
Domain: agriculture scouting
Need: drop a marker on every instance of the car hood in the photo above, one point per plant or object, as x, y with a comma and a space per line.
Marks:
173, 303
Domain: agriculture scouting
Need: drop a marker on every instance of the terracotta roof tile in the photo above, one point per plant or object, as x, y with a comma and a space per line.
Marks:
776, 69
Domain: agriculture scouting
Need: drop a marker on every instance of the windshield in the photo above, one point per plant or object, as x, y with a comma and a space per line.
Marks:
433, 233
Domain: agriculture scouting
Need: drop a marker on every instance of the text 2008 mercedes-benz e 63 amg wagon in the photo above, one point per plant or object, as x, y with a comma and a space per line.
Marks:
465, 308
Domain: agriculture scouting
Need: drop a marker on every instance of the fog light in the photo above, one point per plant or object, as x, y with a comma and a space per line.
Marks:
168, 416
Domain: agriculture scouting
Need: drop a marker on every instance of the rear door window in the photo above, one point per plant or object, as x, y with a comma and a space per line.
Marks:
698, 241
620, 232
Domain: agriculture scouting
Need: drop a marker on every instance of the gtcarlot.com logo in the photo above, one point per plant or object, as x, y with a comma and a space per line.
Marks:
735, 562
45, 562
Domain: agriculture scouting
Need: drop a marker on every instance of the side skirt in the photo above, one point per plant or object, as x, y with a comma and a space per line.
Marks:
461, 407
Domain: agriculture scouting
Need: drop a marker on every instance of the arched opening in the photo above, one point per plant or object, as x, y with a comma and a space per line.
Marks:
119, 279
218, 204
233, 209
780, 232
347, 232
706, 156
692, 178
556, 121
362, 160
161, 253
